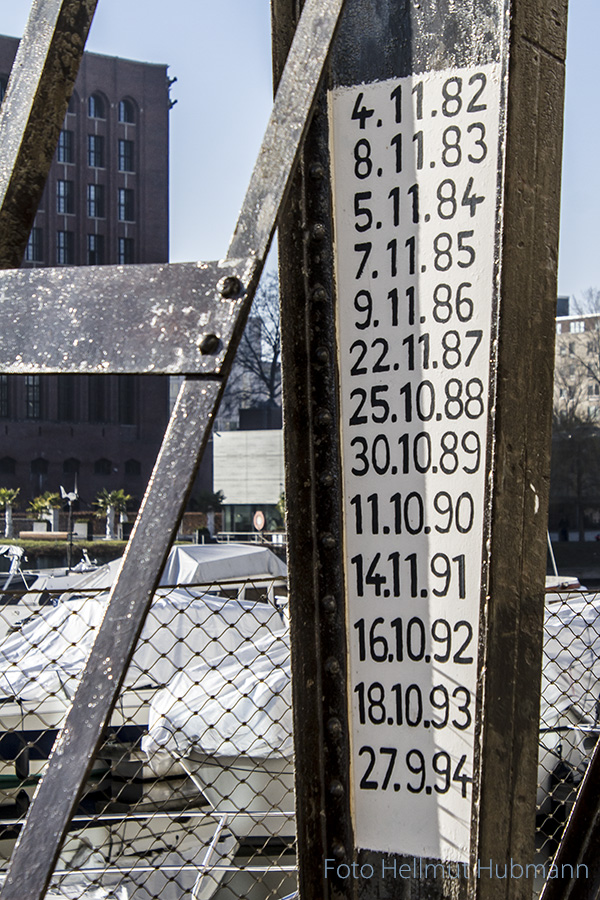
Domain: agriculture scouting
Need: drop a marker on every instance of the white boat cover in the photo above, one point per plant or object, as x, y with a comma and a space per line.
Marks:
84, 889
208, 563
201, 564
48, 654
232, 705
242, 704
571, 665
80, 887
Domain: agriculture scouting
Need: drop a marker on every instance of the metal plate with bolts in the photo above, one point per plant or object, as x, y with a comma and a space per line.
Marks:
157, 319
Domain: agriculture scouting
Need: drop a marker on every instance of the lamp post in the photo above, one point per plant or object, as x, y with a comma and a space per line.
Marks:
70, 497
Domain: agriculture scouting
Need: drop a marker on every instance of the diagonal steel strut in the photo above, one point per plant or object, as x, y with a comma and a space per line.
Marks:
32, 113
38, 847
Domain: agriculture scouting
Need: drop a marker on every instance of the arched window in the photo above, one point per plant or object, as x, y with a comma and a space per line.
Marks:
102, 467
73, 104
39, 466
96, 107
33, 391
133, 468
71, 466
127, 112
8, 465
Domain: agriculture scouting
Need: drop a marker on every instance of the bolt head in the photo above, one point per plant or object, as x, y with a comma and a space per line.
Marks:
209, 345
229, 286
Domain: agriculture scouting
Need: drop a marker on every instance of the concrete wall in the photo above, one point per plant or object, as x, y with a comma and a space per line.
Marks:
248, 466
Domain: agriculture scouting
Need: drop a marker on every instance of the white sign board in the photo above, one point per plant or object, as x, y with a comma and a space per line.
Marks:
416, 181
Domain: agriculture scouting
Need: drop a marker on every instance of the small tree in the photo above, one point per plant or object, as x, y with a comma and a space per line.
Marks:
209, 502
575, 464
7, 499
110, 503
41, 506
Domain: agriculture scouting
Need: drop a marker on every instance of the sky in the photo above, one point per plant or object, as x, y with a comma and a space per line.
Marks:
219, 51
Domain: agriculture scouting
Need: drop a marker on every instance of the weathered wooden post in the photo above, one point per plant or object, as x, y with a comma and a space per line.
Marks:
418, 268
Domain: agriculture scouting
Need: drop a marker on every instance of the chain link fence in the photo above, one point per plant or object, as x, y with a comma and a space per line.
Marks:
191, 795
570, 706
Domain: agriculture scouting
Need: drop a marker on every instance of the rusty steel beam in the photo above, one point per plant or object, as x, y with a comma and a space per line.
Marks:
378, 41
32, 113
38, 847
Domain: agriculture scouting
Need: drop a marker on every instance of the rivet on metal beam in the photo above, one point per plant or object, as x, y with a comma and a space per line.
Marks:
317, 171
338, 850
332, 666
326, 479
322, 355
328, 541
336, 788
328, 603
323, 417
229, 286
209, 345
318, 232
334, 727
319, 294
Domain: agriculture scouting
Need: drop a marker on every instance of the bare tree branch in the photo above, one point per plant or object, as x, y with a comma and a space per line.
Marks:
256, 375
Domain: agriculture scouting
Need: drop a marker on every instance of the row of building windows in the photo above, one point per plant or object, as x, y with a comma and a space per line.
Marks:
570, 370
593, 390
96, 105
72, 466
97, 109
65, 152
592, 348
98, 398
578, 326
65, 248
65, 201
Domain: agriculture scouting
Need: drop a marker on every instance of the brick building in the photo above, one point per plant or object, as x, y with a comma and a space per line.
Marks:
577, 366
105, 202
